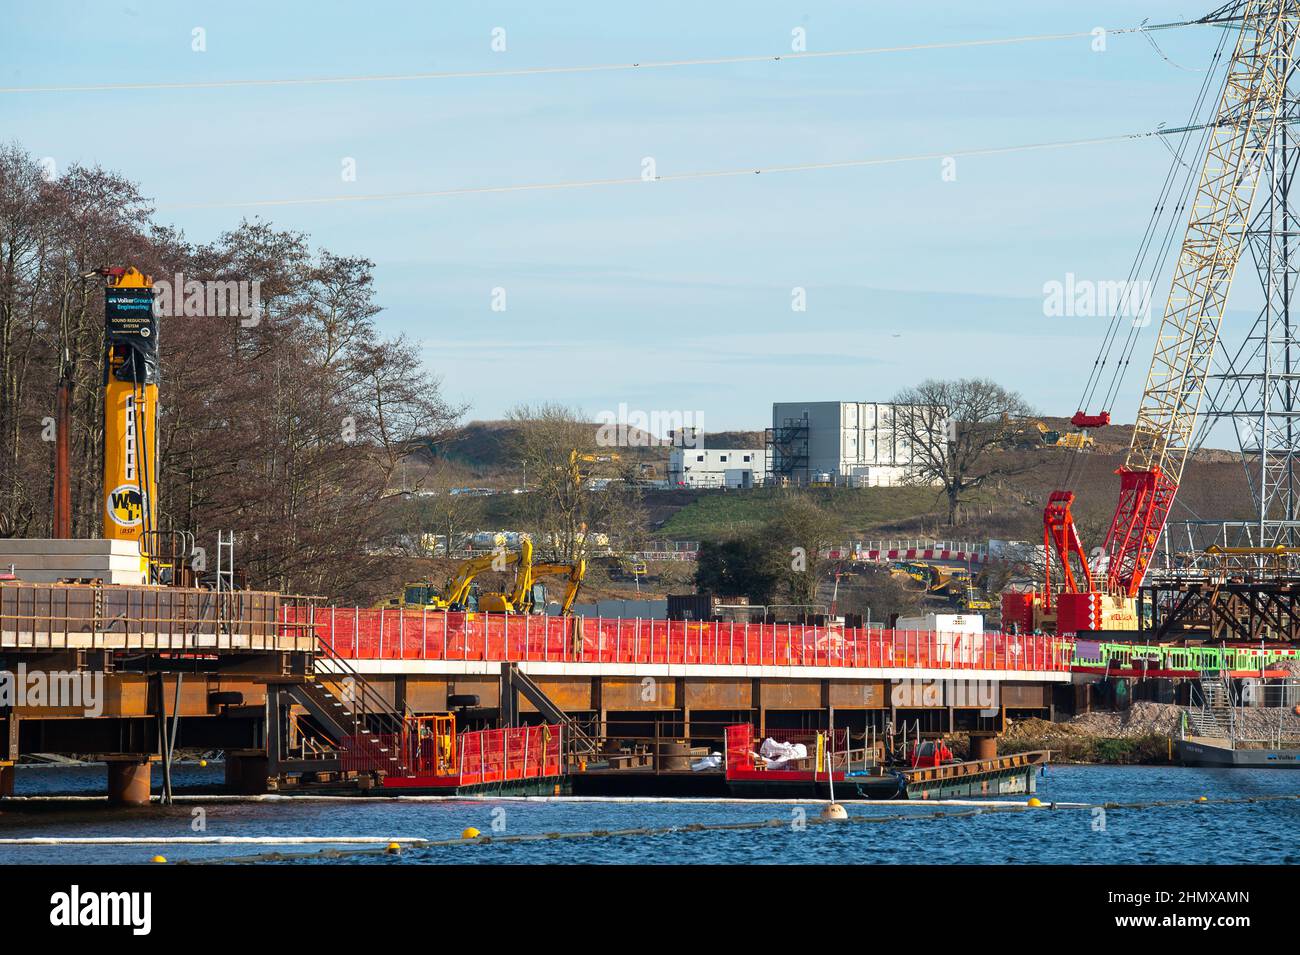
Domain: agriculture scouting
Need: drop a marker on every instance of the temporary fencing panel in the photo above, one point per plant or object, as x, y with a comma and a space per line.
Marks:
740, 754
355, 633
522, 752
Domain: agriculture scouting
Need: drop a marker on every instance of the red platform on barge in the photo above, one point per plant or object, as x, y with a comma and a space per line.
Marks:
522, 759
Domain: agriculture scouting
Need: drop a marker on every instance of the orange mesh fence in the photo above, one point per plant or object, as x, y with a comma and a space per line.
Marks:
521, 752
740, 753
434, 635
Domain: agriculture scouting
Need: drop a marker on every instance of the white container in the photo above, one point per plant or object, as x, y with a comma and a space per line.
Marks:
943, 623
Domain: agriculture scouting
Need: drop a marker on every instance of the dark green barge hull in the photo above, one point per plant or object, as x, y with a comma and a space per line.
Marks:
1002, 776
1209, 756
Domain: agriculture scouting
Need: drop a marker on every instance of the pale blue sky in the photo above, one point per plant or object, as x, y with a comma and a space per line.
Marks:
676, 295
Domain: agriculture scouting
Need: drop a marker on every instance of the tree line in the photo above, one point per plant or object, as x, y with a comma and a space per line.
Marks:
285, 426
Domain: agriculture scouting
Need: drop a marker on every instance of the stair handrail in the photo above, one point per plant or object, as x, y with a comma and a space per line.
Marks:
370, 711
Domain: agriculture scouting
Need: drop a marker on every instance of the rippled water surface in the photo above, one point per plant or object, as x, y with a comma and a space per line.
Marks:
1260, 832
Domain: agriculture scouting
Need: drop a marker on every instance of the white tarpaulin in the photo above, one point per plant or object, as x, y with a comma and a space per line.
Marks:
779, 754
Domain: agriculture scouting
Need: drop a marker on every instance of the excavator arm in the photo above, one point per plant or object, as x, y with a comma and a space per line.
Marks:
575, 572
457, 590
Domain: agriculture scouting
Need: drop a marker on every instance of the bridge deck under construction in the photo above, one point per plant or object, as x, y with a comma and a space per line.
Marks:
48, 617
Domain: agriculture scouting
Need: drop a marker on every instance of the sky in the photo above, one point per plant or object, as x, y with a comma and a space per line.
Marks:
671, 296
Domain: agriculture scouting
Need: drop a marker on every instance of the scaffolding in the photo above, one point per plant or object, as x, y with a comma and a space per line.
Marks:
787, 452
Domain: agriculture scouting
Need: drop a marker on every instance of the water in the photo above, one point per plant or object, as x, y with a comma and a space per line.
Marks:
1215, 834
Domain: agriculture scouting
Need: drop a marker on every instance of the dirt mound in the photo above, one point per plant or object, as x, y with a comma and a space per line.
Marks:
1140, 720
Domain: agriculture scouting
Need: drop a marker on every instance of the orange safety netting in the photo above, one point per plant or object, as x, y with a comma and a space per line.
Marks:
356, 633
521, 752
740, 753
480, 756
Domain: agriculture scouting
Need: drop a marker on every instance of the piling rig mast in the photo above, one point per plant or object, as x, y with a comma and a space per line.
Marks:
130, 410
1239, 138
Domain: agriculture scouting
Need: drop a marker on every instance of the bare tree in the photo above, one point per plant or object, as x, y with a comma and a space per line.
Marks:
560, 508
286, 429
804, 532
447, 513
948, 429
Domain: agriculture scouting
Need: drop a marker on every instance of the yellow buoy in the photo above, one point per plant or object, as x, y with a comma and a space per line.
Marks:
158, 859
1035, 802
203, 763
470, 833
393, 848
1203, 799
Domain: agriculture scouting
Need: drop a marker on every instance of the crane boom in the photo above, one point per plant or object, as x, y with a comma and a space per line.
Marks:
1189, 331
1239, 137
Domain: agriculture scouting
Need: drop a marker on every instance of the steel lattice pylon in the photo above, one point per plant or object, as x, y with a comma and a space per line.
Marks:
1258, 389
1240, 139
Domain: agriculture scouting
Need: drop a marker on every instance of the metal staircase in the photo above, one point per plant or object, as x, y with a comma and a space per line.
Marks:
350, 727
579, 743
1212, 714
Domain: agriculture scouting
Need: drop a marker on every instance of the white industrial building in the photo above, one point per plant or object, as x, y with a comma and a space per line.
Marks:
716, 467
848, 443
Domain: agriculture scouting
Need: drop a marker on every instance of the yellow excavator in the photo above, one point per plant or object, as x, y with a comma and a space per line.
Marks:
422, 595
527, 596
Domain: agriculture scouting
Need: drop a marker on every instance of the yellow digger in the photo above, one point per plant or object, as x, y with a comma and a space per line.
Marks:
527, 596
422, 595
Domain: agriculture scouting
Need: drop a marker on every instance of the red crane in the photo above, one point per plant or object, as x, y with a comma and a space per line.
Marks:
1101, 595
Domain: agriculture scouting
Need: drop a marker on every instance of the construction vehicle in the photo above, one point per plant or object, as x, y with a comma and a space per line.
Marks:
529, 596
1037, 434
456, 593
630, 567
1099, 592
1077, 441
974, 600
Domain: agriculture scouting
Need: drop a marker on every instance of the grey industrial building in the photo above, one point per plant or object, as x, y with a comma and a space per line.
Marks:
839, 442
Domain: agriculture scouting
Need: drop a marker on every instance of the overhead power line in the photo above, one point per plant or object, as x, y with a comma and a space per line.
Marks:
678, 177
588, 68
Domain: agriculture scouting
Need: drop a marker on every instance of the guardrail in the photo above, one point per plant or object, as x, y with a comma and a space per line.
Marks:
481, 756
522, 752
99, 616
362, 634
1191, 659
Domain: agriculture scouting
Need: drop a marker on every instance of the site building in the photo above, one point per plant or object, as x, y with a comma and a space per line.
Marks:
848, 443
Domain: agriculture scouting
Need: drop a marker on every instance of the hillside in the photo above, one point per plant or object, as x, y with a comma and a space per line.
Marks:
1010, 506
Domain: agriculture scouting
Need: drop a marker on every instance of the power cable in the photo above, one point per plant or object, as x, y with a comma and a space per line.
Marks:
592, 68
675, 177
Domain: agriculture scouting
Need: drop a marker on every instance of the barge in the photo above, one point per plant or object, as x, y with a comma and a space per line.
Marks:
926, 774
1222, 754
